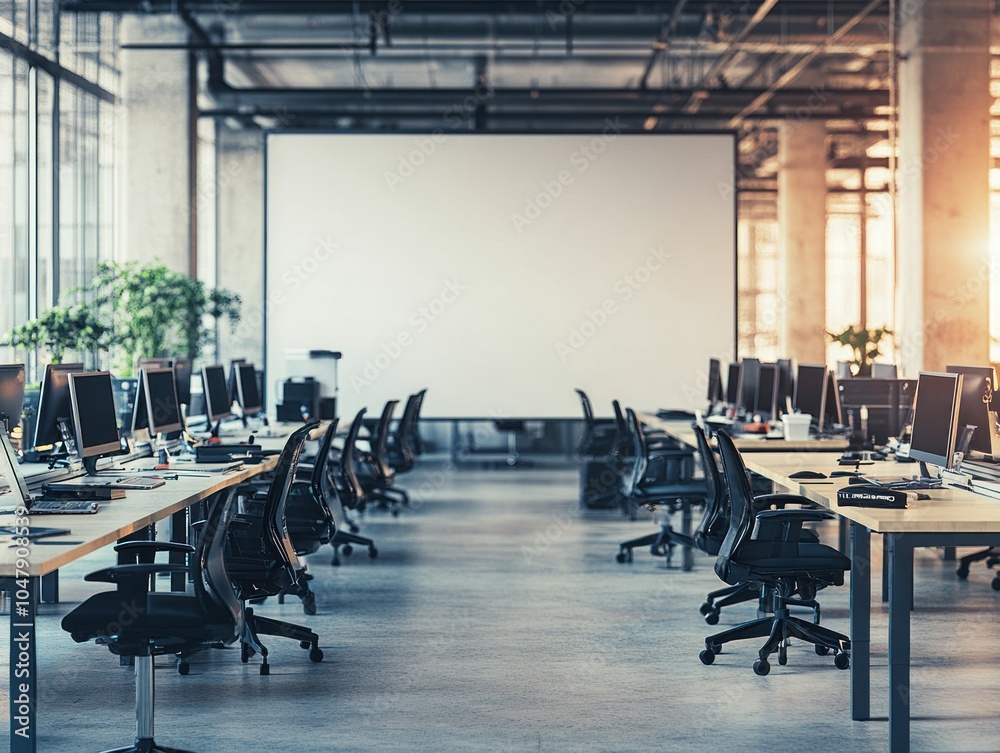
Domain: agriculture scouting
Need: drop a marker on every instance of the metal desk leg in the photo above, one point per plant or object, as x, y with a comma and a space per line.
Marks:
844, 536
861, 618
900, 599
688, 556
948, 555
23, 667
50, 588
885, 569
178, 534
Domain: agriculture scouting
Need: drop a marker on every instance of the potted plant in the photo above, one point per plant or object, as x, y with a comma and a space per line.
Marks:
865, 345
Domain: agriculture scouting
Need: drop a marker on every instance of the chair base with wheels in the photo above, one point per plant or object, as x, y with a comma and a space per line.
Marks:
660, 545
344, 541
255, 626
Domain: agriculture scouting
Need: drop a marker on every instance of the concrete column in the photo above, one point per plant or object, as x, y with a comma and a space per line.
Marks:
802, 218
240, 237
943, 184
156, 218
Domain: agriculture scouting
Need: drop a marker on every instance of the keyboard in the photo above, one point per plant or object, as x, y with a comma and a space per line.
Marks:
63, 507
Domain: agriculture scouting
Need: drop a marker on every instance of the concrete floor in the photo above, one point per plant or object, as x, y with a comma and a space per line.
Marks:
496, 619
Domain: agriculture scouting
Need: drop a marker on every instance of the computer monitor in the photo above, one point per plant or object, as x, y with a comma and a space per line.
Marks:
765, 402
156, 406
884, 371
182, 376
888, 402
11, 394
810, 390
831, 404
247, 394
749, 376
218, 404
714, 381
935, 418
126, 389
786, 382
54, 403
733, 384
94, 418
973, 408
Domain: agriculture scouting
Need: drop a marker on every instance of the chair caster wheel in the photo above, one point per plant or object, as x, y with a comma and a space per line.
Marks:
712, 618
995, 584
353, 528
761, 667
705, 608
782, 656
707, 656
265, 669
962, 572
842, 661
304, 644
183, 667
346, 550
624, 555
309, 604
716, 648
372, 553
822, 650
245, 653
316, 654
395, 513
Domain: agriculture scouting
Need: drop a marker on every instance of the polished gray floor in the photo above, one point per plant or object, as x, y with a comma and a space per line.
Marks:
496, 619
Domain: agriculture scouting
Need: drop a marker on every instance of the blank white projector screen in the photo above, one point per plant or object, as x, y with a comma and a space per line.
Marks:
502, 271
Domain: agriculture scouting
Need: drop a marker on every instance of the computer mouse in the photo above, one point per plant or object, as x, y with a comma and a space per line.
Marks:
807, 474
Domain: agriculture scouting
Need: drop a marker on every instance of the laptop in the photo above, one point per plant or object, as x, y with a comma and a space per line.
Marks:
19, 488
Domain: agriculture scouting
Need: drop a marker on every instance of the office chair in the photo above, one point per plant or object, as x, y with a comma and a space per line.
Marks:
640, 491
763, 546
598, 435
376, 474
341, 480
262, 561
400, 449
167, 623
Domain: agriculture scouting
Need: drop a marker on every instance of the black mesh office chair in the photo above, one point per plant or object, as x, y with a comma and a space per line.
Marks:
598, 434
262, 561
133, 621
763, 546
401, 446
341, 488
375, 473
673, 482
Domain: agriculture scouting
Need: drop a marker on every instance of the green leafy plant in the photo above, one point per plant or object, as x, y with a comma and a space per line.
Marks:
61, 329
865, 344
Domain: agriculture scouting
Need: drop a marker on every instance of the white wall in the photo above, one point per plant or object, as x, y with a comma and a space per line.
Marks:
500, 272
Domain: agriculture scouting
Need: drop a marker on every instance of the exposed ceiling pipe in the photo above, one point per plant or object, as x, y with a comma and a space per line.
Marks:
662, 41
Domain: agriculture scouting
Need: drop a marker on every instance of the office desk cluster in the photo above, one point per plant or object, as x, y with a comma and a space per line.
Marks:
951, 517
21, 569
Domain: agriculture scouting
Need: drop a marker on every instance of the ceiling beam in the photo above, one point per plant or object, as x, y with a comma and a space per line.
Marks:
662, 41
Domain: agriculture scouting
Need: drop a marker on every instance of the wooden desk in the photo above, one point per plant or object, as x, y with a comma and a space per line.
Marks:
951, 517
746, 442
22, 569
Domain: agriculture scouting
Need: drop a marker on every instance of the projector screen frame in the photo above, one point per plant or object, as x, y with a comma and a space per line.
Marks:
733, 187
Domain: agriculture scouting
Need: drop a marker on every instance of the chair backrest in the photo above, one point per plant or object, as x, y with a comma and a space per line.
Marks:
714, 522
588, 411
352, 494
276, 535
741, 513
380, 441
323, 459
211, 581
641, 458
404, 452
623, 444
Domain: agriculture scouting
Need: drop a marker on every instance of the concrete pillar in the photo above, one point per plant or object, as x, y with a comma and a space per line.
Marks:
943, 184
155, 185
802, 218
240, 237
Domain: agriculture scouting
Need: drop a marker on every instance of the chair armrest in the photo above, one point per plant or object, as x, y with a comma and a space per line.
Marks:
780, 500
156, 546
804, 516
784, 525
127, 574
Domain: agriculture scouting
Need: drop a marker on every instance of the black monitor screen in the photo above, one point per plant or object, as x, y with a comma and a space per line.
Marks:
935, 418
732, 383
182, 375
158, 400
714, 381
217, 398
12, 393
887, 400
972, 409
810, 390
786, 382
94, 414
831, 404
54, 402
749, 375
766, 390
249, 395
